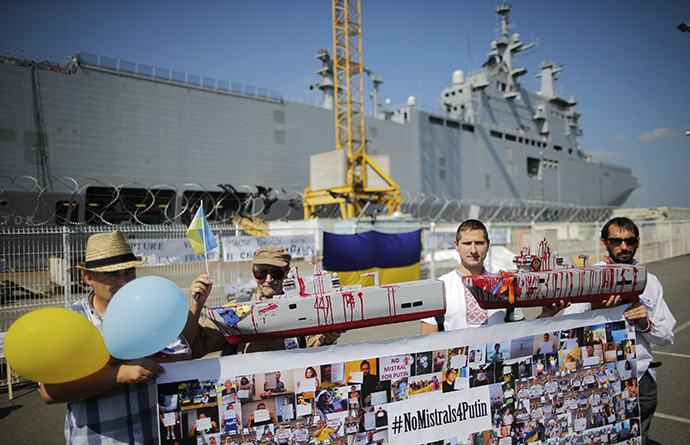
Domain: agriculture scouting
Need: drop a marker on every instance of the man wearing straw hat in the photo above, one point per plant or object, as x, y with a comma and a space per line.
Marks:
118, 403
269, 268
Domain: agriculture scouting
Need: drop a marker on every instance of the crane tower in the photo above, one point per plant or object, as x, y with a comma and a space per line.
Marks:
363, 182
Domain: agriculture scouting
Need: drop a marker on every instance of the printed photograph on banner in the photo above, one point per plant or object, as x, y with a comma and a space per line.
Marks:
286, 408
365, 373
457, 357
476, 355
547, 344
497, 353
396, 367
379, 437
439, 360
424, 362
422, 384
246, 390
522, 346
230, 420
275, 383
450, 375
399, 389
332, 374
307, 382
304, 406
259, 413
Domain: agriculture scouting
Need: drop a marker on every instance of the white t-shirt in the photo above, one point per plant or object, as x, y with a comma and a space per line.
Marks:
456, 308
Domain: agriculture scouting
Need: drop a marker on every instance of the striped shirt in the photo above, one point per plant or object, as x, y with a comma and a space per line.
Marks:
126, 414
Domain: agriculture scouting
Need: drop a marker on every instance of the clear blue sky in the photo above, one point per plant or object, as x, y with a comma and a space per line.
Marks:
625, 61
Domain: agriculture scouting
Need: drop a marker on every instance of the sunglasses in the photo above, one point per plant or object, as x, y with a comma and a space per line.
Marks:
631, 242
261, 273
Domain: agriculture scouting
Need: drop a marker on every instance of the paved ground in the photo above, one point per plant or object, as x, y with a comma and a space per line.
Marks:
27, 420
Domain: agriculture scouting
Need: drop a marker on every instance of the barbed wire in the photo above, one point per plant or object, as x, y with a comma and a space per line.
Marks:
66, 201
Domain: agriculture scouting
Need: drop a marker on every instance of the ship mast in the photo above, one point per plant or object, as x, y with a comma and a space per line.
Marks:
504, 49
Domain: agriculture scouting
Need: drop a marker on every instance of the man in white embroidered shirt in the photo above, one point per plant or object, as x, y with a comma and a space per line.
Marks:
649, 313
462, 309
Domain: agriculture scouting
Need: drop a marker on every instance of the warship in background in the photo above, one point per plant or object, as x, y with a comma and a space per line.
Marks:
103, 140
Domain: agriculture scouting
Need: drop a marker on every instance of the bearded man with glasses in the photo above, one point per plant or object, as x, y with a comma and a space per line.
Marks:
270, 266
649, 313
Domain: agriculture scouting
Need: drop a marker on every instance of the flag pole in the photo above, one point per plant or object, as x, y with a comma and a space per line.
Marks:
203, 235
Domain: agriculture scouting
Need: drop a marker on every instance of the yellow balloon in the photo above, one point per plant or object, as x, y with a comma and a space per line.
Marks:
55, 345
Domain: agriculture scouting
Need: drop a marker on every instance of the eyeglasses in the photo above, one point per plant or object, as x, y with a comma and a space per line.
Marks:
276, 274
631, 242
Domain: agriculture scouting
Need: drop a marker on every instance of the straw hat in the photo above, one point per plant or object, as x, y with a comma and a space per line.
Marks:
109, 252
273, 256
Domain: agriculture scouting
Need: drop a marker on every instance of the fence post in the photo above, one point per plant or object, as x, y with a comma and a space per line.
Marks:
221, 264
432, 270
532, 230
239, 263
597, 243
67, 265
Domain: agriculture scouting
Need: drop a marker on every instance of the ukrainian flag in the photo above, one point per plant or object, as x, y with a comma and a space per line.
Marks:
394, 256
200, 231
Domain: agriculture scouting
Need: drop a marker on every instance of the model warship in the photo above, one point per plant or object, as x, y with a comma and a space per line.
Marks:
318, 304
543, 279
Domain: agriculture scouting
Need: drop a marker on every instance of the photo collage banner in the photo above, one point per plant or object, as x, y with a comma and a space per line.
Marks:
562, 380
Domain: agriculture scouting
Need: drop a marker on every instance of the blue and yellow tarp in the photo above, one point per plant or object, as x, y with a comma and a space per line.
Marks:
395, 256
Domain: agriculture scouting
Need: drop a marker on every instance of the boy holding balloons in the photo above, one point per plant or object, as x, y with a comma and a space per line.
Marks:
118, 402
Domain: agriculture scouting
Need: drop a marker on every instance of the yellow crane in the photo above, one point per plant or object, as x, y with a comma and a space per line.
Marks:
357, 190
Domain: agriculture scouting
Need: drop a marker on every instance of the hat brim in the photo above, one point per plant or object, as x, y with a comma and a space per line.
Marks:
114, 267
271, 262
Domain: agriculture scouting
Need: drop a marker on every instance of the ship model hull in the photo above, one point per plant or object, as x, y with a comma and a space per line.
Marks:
323, 308
575, 285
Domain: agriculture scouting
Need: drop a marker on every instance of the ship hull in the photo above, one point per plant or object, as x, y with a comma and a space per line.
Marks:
337, 310
572, 285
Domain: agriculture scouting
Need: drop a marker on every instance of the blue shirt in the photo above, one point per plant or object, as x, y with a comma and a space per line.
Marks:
126, 414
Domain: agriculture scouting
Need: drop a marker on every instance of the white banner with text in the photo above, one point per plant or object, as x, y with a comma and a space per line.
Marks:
555, 380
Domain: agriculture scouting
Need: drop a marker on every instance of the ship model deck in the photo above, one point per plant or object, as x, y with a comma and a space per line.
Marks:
542, 279
318, 304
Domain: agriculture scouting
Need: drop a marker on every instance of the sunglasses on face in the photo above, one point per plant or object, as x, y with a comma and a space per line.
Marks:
261, 273
631, 242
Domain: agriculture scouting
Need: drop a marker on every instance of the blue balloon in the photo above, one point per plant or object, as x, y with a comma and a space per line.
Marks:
144, 317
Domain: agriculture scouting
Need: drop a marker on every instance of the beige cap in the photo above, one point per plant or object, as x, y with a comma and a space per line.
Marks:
273, 256
109, 252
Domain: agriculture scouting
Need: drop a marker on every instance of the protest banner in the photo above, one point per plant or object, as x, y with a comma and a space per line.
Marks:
241, 248
167, 251
444, 240
539, 381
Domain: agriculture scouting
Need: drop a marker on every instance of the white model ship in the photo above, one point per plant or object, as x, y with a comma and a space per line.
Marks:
542, 279
319, 304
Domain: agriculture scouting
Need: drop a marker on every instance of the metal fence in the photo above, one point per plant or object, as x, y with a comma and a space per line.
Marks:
658, 240
38, 265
